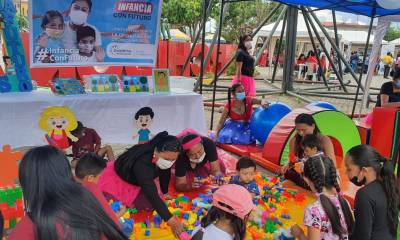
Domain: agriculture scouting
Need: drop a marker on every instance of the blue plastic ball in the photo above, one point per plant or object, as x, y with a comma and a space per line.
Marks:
322, 104
264, 120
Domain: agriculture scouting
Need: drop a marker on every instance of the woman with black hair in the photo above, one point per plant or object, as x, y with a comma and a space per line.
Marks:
245, 66
377, 201
132, 178
305, 125
234, 125
199, 158
56, 206
329, 217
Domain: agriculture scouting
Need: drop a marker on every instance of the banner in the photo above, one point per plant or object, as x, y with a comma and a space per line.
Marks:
101, 32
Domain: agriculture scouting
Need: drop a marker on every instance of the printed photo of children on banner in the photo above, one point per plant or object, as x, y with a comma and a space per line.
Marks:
84, 32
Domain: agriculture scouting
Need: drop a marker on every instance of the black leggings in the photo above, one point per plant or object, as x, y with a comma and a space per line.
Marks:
296, 177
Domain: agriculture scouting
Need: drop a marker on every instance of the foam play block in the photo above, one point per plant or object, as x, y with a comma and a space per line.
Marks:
241, 150
383, 130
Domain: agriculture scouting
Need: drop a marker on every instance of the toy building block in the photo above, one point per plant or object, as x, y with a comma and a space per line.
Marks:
9, 167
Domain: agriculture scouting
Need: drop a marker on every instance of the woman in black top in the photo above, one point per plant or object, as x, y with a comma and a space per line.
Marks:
377, 201
245, 66
389, 95
198, 158
131, 179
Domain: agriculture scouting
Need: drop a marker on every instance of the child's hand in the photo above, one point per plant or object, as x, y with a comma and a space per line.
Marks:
121, 212
296, 231
196, 184
99, 52
168, 196
134, 136
42, 41
73, 138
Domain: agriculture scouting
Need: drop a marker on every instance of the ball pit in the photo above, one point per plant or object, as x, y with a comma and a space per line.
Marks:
277, 209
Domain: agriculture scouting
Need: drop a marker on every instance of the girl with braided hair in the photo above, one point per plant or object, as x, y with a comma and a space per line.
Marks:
329, 217
377, 201
234, 124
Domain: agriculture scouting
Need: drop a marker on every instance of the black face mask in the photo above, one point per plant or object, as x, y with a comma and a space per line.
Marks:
355, 181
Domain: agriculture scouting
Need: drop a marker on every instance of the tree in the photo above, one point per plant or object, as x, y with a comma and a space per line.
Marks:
392, 34
242, 17
22, 21
183, 14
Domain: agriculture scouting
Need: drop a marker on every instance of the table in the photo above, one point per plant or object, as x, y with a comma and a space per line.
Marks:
111, 114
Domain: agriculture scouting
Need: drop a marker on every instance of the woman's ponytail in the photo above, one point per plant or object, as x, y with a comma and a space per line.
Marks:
392, 193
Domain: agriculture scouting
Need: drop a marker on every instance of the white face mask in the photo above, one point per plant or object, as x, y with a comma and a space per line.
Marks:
248, 45
164, 164
86, 48
78, 17
201, 158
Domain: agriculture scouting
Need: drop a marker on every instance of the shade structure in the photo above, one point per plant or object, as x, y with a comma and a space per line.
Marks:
361, 7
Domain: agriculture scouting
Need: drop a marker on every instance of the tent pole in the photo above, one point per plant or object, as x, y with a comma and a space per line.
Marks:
266, 42
211, 48
309, 23
221, 19
279, 47
337, 41
316, 53
196, 39
272, 13
207, 3
353, 74
290, 49
363, 62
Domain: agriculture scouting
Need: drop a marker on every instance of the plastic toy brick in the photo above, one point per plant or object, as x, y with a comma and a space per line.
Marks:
184, 236
9, 167
116, 206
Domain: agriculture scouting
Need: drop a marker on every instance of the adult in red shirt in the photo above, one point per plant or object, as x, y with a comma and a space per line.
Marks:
312, 63
89, 142
234, 124
300, 65
56, 206
322, 61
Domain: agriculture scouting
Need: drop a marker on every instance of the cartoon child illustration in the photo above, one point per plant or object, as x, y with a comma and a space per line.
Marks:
58, 121
144, 119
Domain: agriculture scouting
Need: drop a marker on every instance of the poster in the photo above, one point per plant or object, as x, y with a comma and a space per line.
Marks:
87, 32
161, 80
103, 83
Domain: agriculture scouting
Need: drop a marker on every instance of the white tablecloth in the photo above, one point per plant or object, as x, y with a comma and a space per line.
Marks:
110, 114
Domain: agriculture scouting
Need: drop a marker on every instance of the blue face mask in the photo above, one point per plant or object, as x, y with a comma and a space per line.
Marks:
240, 96
397, 84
